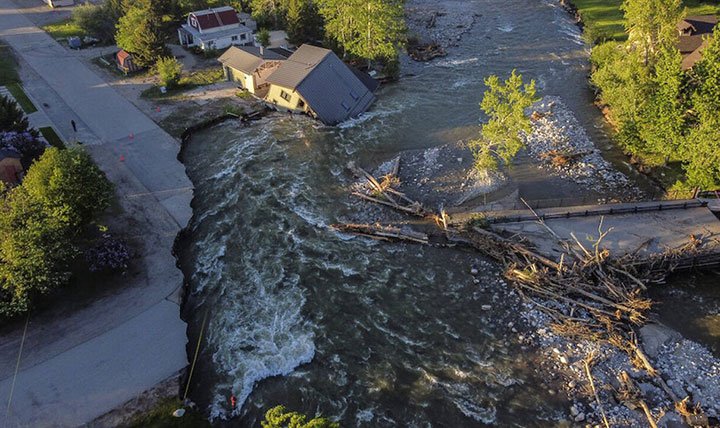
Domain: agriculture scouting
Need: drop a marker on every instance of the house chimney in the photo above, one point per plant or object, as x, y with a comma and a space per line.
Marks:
262, 50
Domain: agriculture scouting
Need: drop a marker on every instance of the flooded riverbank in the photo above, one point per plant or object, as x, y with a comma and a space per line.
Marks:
370, 334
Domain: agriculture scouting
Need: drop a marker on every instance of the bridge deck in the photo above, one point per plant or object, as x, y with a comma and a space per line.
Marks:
644, 228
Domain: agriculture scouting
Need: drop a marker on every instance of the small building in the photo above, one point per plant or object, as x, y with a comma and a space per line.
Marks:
215, 28
125, 62
11, 169
250, 66
315, 81
693, 30
246, 20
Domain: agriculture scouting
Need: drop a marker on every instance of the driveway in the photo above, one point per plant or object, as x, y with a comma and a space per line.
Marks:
77, 366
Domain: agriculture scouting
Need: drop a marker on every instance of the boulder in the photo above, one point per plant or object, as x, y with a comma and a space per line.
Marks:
654, 336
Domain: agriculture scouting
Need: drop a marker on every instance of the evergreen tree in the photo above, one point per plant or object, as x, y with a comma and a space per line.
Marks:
12, 118
368, 29
304, 23
139, 32
504, 104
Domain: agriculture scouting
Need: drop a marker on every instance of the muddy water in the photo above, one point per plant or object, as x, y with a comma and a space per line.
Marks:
373, 335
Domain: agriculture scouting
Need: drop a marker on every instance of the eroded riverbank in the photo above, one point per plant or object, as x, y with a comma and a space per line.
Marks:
367, 334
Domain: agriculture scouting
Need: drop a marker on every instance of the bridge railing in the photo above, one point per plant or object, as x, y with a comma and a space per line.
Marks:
588, 200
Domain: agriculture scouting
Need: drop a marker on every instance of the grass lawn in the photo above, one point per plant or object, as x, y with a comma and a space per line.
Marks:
161, 417
63, 29
52, 137
204, 77
605, 19
8, 72
17, 91
10, 79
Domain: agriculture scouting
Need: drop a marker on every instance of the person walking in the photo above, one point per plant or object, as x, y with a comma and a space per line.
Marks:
72, 122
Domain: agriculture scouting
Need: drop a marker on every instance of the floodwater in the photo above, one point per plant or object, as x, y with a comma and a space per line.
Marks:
370, 334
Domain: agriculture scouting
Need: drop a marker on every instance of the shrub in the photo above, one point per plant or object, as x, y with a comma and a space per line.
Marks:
263, 37
109, 255
168, 70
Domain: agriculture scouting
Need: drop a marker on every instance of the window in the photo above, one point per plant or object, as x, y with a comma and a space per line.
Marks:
284, 95
233, 38
301, 103
354, 95
243, 36
345, 106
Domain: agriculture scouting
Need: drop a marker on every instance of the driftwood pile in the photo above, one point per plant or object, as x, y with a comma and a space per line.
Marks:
588, 294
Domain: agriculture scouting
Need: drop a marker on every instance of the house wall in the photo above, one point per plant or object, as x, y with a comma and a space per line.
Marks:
209, 43
247, 81
293, 104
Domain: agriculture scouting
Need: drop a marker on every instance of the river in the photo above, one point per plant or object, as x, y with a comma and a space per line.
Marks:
370, 334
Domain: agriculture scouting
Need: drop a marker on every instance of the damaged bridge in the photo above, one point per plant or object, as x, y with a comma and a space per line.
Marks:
641, 229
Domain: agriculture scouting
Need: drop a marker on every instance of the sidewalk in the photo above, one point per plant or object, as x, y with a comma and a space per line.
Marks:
80, 365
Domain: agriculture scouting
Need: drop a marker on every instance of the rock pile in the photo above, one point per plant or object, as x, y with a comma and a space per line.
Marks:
560, 144
687, 368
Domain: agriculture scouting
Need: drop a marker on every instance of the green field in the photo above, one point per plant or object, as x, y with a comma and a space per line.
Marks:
604, 19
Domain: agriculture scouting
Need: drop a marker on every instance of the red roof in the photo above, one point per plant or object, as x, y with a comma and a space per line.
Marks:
217, 17
122, 56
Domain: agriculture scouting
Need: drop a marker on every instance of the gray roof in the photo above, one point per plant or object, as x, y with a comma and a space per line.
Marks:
298, 66
326, 84
247, 58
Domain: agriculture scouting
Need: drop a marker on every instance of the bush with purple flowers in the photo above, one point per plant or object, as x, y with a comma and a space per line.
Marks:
109, 255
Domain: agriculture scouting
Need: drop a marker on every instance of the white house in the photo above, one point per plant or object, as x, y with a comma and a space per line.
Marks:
215, 28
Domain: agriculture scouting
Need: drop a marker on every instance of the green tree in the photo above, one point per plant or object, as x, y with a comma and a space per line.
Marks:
139, 32
625, 84
304, 23
661, 123
97, 21
40, 221
650, 23
279, 417
35, 251
263, 37
269, 12
168, 70
504, 104
68, 185
702, 154
12, 118
368, 29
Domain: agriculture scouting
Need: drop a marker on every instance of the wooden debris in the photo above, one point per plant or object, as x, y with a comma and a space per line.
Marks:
603, 294
426, 52
385, 233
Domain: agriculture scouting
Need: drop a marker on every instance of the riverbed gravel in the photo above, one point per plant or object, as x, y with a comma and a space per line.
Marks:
557, 135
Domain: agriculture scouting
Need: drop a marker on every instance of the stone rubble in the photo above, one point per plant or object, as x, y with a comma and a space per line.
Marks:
555, 128
687, 367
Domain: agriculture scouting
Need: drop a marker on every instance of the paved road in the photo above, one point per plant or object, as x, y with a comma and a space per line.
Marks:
78, 366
